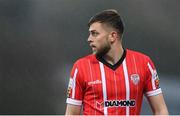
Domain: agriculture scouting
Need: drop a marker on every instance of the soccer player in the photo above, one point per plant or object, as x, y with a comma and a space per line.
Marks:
113, 79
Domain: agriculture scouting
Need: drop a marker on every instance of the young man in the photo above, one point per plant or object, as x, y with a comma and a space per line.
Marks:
113, 79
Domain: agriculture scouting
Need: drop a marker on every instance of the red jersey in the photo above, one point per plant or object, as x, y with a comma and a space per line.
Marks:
105, 89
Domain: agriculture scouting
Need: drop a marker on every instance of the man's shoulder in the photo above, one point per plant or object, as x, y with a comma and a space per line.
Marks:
86, 59
137, 54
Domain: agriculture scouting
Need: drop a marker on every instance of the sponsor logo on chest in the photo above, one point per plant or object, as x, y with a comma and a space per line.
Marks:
116, 103
119, 103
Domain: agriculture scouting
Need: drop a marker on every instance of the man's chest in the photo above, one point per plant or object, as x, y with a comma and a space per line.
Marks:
114, 84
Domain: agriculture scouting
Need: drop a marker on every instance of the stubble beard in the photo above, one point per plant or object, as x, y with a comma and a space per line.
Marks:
102, 51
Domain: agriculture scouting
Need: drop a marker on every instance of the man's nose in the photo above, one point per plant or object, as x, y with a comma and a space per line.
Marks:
89, 39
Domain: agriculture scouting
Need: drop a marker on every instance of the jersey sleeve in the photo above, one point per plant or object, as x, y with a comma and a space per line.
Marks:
75, 91
152, 86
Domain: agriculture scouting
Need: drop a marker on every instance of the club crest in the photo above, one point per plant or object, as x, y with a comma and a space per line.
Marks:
135, 78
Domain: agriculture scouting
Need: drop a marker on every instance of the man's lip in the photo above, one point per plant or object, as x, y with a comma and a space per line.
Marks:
92, 46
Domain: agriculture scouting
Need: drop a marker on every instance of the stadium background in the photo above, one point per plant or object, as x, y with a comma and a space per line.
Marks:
40, 40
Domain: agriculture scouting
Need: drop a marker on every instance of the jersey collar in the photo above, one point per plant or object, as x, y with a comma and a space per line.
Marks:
115, 66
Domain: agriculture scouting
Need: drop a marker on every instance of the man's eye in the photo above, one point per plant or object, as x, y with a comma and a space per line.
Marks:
94, 33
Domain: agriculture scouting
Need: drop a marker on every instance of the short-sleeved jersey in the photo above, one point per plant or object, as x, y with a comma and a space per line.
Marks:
105, 89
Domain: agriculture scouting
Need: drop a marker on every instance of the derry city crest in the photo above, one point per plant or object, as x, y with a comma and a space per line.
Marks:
135, 78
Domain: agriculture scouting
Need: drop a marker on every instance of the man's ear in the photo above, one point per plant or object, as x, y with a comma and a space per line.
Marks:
113, 36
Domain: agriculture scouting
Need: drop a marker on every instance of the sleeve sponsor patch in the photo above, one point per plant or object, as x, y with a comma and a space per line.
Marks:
70, 86
156, 79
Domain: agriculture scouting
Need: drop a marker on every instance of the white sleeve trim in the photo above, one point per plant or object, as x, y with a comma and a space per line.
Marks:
154, 92
153, 75
73, 101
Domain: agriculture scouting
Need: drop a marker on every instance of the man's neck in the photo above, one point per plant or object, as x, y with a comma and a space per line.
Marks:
114, 55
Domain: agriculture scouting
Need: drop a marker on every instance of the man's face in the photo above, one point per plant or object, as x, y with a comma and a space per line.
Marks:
99, 38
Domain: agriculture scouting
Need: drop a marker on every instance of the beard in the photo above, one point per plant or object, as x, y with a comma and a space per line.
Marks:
102, 51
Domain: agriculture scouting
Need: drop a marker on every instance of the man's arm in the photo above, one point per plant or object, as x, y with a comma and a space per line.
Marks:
73, 109
158, 105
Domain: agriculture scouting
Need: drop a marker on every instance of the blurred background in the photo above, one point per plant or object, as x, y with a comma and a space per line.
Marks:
41, 39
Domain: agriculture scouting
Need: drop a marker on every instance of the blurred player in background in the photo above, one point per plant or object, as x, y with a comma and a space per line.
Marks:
113, 79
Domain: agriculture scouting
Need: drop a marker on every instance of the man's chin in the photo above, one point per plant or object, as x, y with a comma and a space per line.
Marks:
98, 54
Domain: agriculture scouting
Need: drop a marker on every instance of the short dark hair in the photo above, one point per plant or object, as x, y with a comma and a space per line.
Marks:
110, 17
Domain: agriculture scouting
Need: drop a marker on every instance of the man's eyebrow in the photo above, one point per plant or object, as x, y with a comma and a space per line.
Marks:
92, 30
